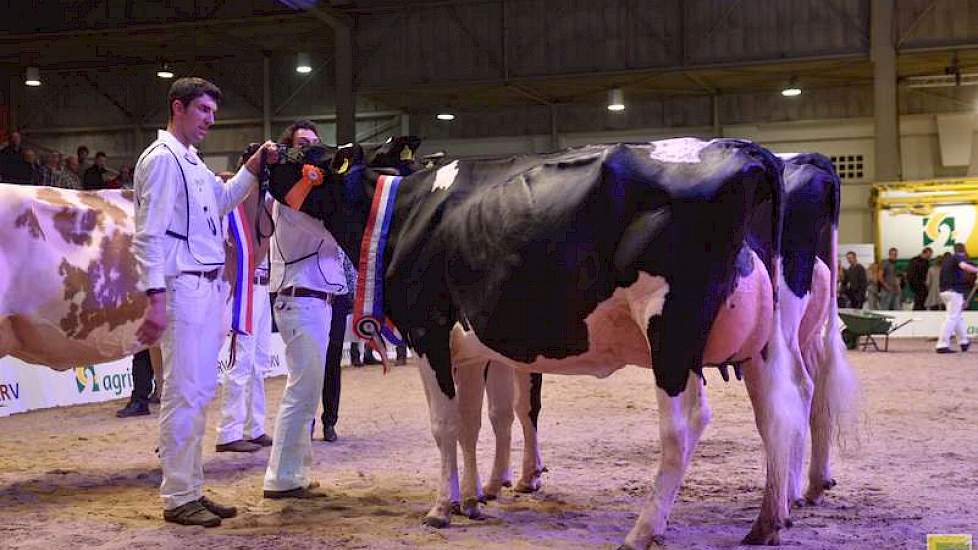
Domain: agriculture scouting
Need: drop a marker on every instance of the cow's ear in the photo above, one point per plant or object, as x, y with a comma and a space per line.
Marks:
346, 157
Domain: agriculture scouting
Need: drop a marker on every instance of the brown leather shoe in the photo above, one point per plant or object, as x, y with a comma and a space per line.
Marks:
191, 513
263, 440
223, 512
299, 492
239, 446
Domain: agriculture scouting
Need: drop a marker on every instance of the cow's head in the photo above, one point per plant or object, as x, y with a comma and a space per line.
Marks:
398, 154
329, 184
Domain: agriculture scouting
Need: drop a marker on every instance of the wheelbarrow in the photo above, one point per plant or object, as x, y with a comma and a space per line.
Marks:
865, 326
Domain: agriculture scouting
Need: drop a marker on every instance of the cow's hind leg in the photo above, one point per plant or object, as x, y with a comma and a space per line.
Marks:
777, 412
444, 416
500, 395
529, 387
470, 381
833, 410
682, 421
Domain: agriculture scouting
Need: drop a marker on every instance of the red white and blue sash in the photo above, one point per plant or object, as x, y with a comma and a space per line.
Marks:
244, 290
368, 307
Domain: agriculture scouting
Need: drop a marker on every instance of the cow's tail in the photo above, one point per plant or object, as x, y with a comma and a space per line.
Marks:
835, 403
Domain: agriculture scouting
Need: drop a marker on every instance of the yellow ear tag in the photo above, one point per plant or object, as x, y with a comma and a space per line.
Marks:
407, 154
344, 167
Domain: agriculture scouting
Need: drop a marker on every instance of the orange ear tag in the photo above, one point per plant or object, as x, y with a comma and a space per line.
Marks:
311, 177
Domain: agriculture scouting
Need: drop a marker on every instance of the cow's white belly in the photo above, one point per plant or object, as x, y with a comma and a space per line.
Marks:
617, 329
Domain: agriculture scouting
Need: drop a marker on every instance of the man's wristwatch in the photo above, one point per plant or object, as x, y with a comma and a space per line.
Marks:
153, 291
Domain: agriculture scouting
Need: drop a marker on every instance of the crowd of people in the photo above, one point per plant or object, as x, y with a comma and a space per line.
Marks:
944, 283
21, 164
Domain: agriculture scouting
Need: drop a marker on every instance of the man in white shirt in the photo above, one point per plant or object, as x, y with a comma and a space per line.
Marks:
306, 274
179, 246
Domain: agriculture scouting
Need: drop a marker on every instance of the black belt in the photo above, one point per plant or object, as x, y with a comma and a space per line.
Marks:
261, 280
299, 292
209, 275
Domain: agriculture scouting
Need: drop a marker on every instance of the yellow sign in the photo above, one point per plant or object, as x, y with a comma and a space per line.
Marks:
948, 542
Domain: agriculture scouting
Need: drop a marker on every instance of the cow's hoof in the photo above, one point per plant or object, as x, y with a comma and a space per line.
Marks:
435, 522
799, 502
762, 537
456, 509
530, 486
470, 509
507, 483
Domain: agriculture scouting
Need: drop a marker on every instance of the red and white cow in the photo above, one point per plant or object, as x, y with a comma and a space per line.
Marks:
68, 280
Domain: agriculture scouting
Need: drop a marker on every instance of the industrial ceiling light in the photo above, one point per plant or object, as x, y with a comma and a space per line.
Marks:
33, 77
616, 100
792, 89
302, 63
445, 116
164, 71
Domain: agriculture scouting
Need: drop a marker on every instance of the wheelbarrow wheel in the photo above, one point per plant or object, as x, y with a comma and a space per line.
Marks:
850, 338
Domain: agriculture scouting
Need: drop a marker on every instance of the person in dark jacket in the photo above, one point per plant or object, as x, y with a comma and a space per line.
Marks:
955, 286
917, 277
95, 175
854, 281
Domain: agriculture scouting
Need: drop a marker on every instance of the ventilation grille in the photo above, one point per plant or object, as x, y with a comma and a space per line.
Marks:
849, 167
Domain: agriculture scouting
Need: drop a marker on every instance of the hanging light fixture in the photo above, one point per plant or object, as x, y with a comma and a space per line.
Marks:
164, 71
445, 116
792, 89
616, 100
302, 63
33, 77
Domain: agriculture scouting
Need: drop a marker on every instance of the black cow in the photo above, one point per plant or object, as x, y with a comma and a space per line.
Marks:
568, 263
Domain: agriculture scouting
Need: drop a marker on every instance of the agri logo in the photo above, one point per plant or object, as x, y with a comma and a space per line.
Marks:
932, 229
87, 379
82, 377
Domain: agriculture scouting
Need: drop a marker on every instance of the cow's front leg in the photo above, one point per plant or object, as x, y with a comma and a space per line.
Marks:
500, 395
443, 413
529, 388
682, 420
470, 381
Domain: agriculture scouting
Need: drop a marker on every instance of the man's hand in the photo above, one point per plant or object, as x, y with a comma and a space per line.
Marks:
271, 157
155, 321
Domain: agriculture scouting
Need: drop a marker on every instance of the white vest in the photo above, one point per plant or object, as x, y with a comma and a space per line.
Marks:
196, 217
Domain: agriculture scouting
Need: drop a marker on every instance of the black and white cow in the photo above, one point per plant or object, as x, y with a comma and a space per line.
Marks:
809, 314
510, 395
565, 263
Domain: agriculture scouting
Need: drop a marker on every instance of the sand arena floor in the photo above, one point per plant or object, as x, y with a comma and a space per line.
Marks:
79, 478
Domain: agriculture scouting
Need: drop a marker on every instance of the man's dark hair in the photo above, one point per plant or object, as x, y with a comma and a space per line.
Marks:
297, 125
927, 249
80, 149
187, 89
959, 248
892, 250
100, 154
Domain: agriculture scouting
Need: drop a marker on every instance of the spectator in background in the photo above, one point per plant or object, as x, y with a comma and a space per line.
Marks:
50, 172
933, 283
917, 277
954, 287
889, 282
11, 154
873, 287
94, 177
70, 174
122, 180
83, 162
854, 282
21, 170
